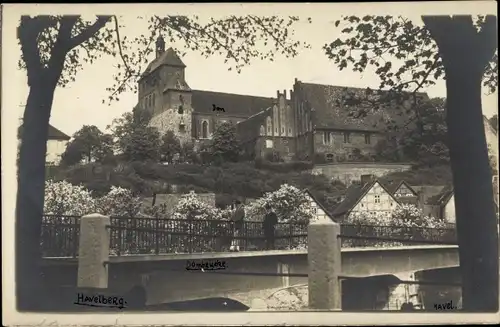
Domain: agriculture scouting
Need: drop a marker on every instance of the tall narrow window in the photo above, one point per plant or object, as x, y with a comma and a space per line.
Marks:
204, 129
367, 139
180, 110
154, 100
326, 138
347, 138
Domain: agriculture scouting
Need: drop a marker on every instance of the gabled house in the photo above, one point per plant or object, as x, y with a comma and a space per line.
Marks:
403, 192
442, 205
56, 144
368, 196
317, 208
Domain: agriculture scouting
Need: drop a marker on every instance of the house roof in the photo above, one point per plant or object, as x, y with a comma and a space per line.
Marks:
234, 104
428, 191
319, 204
442, 197
354, 194
54, 134
330, 113
168, 57
395, 185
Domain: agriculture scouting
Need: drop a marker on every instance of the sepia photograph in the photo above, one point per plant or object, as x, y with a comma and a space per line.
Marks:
250, 164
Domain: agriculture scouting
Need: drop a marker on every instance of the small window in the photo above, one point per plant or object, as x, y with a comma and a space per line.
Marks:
367, 139
377, 198
180, 110
347, 138
269, 144
329, 157
289, 131
327, 138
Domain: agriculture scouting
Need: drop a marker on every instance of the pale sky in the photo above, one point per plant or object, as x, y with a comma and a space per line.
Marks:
81, 103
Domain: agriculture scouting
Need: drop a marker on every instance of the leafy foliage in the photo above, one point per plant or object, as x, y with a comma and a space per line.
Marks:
119, 202
88, 143
424, 143
170, 146
79, 41
403, 52
225, 145
288, 202
63, 198
404, 222
134, 138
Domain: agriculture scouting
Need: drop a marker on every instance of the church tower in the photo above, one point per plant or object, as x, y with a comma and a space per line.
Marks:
164, 92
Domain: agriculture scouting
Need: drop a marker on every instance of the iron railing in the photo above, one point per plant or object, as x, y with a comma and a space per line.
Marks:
60, 236
128, 235
366, 235
155, 236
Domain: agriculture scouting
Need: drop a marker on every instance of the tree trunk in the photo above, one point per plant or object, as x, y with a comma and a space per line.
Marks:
465, 53
476, 222
30, 196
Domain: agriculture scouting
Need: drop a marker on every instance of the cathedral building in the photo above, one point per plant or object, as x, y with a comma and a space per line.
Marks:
307, 122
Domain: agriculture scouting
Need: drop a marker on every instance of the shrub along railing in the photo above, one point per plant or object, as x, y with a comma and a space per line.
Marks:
60, 236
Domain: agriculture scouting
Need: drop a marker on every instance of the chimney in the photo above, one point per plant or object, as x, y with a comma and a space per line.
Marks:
278, 95
365, 179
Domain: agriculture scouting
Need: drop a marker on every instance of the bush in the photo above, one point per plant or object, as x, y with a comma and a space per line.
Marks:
241, 179
405, 222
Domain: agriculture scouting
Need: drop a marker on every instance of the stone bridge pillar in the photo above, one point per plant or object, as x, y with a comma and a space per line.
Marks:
93, 252
324, 260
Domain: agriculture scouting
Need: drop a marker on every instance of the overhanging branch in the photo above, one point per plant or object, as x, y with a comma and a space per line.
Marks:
89, 32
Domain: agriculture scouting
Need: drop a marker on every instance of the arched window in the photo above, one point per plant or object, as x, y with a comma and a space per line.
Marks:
262, 130
204, 129
180, 110
269, 126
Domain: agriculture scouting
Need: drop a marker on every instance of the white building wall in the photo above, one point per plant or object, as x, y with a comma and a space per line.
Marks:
55, 148
449, 211
376, 200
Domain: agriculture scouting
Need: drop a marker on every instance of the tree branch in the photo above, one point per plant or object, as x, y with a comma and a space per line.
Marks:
487, 37
89, 32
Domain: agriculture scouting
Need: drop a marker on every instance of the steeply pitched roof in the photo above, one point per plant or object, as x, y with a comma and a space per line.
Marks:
327, 212
354, 194
330, 113
442, 197
168, 57
54, 133
395, 185
428, 191
233, 104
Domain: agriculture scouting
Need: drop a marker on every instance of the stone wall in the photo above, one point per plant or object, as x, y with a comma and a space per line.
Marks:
349, 172
334, 144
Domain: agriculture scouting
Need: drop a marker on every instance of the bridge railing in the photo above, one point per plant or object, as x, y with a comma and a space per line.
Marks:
60, 236
128, 235
155, 236
370, 235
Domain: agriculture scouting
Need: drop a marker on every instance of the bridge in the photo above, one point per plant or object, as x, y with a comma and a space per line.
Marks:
248, 276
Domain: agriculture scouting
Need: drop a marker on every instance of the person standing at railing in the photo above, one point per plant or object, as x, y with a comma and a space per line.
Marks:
238, 218
270, 221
